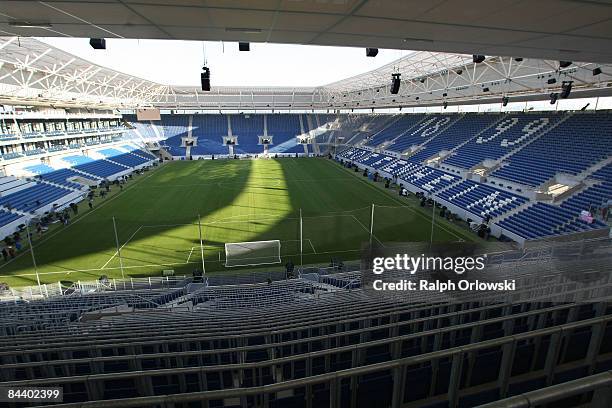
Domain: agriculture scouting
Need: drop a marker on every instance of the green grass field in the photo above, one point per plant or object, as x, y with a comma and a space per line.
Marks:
237, 200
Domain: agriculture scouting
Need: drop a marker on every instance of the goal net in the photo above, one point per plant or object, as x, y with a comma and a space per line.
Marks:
252, 253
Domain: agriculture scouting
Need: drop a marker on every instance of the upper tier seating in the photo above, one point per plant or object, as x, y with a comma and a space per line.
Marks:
422, 131
76, 160
110, 152
481, 199
145, 128
400, 125
175, 125
544, 220
508, 134
39, 169
560, 150
596, 195
461, 131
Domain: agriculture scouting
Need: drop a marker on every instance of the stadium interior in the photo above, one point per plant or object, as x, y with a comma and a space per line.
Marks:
212, 245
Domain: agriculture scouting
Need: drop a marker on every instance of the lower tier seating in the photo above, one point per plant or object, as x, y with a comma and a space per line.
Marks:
481, 199
595, 196
128, 159
61, 177
101, 168
33, 198
544, 220
7, 217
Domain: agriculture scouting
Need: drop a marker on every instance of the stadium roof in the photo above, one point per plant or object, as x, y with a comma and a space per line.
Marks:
574, 30
33, 72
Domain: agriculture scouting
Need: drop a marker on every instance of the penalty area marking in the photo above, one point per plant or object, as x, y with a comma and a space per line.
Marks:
367, 230
121, 247
66, 272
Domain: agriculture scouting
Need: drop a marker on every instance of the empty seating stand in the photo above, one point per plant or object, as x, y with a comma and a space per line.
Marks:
422, 131
128, 159
33, 198
595, 196
241, 343
461, 131
101, 168
61, 177
247, 128
284, 129
560, 151
481, 199
543, 220
399, 126
209, 130
507, 135
6, 217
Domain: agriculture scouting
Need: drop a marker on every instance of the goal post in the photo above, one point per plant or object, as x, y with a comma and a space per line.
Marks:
252, 253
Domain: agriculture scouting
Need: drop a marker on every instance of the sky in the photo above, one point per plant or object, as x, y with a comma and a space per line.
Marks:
172, 62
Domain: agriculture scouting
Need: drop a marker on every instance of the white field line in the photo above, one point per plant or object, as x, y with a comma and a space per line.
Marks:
121, 247
189, 256
67, 272
102, 204
440, 225
368, 231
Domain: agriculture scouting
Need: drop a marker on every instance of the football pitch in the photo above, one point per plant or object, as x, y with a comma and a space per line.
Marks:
235, 201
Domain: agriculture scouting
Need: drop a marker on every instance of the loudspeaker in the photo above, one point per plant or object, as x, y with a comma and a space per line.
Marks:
596, 71
566, 89
205, 78
504, 101
244, 46
97, 43
478, 58
395, 83
371, 52
564, 64
553, 98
